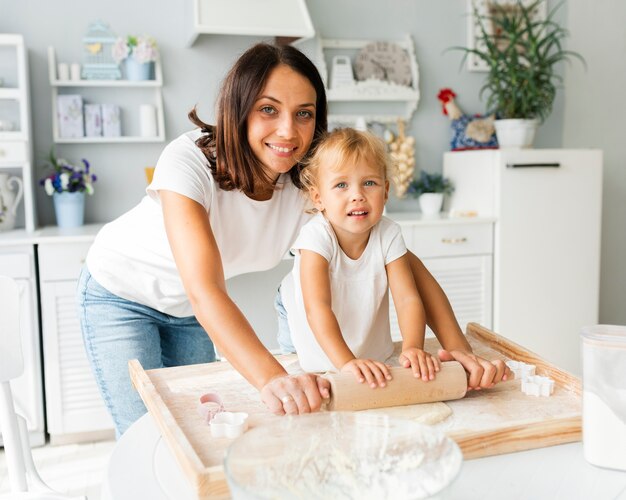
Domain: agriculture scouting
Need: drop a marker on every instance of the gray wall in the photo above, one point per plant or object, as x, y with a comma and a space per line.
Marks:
595, 104
586, 114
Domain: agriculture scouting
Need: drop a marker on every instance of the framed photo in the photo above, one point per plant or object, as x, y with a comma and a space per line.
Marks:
485, 8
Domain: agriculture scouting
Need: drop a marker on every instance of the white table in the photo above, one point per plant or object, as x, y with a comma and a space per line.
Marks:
141, 466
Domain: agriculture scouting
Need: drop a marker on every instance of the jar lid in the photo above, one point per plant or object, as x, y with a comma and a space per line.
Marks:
604, 333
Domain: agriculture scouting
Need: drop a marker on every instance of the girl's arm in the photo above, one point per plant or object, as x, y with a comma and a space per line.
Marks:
440, 317
411, 319
199, 263
316, 294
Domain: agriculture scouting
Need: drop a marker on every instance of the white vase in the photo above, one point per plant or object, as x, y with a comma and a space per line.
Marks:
516, 133
9, 199
431, 203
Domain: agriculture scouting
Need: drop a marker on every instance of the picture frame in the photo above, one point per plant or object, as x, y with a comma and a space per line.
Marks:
482, 7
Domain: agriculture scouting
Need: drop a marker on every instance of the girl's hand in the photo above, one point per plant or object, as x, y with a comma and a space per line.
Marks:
481, 373
295, 394
375, 372
423, 364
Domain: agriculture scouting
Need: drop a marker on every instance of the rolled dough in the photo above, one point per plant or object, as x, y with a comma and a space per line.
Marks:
425, 413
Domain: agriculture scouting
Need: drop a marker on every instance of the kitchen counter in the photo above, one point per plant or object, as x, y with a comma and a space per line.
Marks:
50, 234
141, 466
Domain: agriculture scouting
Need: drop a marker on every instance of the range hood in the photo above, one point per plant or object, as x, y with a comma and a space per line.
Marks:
277, 18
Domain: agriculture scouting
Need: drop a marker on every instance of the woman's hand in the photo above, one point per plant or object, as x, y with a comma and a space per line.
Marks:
295, 394
375, 372
482, 374
422, 363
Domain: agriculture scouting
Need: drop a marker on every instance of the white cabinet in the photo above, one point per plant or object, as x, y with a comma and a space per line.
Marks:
547, 206
459, 254
18, 262
15, 136
129, 95
74, 405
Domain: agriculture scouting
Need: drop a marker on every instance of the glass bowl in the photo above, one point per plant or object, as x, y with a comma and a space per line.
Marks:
341, 455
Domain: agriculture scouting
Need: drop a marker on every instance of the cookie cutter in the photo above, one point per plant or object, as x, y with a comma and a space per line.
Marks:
210, 405
229, 424
521, 369
536, 385
223, 423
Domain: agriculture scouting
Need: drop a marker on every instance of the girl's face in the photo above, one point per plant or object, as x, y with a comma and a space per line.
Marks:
282, 121
352, 197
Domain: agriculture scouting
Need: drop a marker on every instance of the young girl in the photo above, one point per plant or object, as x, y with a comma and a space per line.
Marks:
346, 259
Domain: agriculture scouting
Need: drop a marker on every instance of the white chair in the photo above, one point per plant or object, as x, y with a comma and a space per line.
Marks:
23, 477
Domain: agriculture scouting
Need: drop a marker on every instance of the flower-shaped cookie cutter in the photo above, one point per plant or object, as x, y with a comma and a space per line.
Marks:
537, 385
229, 424
521, 369
223, 423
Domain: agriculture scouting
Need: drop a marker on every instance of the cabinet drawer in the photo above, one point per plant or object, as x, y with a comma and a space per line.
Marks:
61, 261
12, 152
450, 240
15, 265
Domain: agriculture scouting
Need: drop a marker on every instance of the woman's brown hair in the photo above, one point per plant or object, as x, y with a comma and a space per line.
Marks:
225, 145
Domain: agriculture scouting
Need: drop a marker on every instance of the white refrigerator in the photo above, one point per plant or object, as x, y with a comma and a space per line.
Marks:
547, 204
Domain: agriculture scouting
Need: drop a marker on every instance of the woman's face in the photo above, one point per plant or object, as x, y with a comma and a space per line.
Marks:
282, 121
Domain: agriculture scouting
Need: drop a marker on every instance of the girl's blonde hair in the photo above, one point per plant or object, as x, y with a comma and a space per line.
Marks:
344, 146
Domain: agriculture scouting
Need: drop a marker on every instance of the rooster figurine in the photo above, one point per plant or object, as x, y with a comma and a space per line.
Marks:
468, 132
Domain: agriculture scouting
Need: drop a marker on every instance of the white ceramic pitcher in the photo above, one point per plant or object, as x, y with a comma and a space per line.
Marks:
9, 200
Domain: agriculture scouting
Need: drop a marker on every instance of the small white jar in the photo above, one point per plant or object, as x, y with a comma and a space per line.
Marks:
604, 395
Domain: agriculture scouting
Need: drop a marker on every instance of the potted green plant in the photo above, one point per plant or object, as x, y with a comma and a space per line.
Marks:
521, 51
429, 190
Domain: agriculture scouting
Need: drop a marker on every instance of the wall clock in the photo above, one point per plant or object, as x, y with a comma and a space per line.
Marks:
385, 61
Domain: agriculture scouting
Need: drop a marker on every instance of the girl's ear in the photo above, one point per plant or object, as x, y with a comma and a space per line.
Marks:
316, 198
386, 191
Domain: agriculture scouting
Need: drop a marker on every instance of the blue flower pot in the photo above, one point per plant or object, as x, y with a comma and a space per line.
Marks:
69, 208
138, 71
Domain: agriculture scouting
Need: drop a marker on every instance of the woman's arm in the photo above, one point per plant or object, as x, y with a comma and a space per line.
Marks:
199, 263
440, 317
316, 294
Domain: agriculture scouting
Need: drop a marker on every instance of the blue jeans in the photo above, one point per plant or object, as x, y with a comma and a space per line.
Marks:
284, 334
116, 330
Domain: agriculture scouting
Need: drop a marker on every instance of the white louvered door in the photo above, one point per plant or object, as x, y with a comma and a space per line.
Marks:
73, 401
74, 409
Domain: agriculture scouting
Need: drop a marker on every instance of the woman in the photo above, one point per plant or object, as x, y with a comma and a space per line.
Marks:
224, 200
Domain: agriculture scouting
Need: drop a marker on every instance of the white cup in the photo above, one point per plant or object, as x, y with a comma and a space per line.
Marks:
63, 71
75, 71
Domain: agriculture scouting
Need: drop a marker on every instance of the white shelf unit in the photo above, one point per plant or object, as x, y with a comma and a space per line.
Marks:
151, 85
15, 145
369, 92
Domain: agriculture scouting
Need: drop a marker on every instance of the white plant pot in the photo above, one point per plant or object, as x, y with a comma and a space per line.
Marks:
431, 203
516, 133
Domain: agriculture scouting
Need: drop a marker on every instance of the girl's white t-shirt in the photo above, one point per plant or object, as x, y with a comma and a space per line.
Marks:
131, 256
359, 291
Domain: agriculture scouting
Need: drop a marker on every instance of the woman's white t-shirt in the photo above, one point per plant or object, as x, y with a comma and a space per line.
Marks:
131, 256
359, 291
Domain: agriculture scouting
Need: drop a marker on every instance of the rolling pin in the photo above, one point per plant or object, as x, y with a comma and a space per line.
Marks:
346, 394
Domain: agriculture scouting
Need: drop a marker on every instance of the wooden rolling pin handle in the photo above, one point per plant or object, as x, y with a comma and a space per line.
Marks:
405, 389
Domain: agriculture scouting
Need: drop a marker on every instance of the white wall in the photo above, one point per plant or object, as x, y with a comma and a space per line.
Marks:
595, 106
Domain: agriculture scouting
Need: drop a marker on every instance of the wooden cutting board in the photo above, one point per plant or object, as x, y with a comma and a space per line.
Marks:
486, 422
